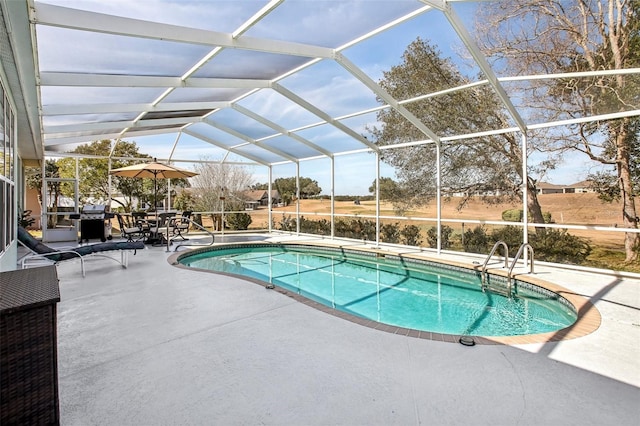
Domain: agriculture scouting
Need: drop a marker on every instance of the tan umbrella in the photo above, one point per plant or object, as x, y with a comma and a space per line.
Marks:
153, 170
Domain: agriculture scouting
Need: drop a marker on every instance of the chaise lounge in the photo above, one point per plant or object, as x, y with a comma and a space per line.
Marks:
42, 253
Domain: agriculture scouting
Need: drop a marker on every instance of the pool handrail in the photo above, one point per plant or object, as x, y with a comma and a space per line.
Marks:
491, 253
202, 228
515, 260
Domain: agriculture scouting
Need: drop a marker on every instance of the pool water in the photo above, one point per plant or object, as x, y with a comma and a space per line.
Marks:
393, 291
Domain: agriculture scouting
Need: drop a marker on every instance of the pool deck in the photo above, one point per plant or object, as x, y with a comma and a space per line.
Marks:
156, 344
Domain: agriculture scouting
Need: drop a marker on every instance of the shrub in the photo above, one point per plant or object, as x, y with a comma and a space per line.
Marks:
238, 221
476, 240
316, 227
557, 245
360, 229
511, 235
342, 228
364, 229
411, 235
516, 215
445, 236
287, 223
512, 215
390, 233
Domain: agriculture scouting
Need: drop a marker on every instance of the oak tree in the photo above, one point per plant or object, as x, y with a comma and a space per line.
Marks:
488, 166
559, 36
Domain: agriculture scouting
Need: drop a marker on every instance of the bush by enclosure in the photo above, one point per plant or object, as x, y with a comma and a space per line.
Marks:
551, 245
557, 245
238, 221
476, 240
357, 228
548, 244
511, 235
445, 237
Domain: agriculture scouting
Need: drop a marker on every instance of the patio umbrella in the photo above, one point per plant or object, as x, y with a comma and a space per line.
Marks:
153, 170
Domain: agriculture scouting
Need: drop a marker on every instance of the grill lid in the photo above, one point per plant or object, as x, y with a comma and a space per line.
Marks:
94, 209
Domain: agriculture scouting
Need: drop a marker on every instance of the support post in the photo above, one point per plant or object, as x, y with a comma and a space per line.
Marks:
377, 198
438, 198
269, 187
297, 198
333, 203
525, 196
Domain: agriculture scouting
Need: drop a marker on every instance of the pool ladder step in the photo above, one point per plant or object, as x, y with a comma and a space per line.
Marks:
497, 289
505, 291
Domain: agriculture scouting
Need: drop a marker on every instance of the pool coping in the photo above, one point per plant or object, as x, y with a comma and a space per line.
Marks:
588, 317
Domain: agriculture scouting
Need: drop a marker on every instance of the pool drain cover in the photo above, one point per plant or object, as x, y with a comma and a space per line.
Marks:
467, 341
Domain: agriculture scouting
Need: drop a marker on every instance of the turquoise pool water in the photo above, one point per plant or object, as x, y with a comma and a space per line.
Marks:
393, 291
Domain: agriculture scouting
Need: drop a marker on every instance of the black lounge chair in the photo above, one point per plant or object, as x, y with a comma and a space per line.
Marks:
42, 252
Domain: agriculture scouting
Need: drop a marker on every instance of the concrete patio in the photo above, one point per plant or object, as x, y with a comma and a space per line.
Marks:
155, 344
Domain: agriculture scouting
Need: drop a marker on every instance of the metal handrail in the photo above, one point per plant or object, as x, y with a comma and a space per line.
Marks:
491, 253
515, 260
202, 228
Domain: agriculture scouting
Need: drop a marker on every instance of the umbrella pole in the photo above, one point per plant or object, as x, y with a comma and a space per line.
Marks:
155, 195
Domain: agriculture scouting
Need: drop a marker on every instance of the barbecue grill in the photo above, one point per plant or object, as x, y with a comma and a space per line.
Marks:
95, 223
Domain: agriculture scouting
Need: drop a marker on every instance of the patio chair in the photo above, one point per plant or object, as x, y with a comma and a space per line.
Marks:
158, 229
180, 225
130, 232
42, 253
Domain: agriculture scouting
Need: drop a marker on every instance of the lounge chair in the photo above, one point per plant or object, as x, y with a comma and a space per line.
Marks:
43, 253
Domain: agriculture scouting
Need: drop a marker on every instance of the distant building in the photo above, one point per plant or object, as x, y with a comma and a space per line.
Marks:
581, 187
256, 198
549, 188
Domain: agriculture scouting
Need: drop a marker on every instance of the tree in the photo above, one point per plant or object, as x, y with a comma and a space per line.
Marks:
309, 188
56, 188
259, 187
392, 192
53, 191
490, 165
287, 187
580, 35
183, 201
388, 188
216, 180
93, 172
606, 183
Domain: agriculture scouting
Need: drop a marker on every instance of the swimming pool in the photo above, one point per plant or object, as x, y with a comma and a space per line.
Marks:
392, 290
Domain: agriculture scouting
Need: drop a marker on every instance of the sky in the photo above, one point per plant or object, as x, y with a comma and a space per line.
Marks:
325, 85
